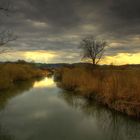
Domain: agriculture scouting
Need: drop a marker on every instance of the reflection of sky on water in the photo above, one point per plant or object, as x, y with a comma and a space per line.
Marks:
48, 113
46, 82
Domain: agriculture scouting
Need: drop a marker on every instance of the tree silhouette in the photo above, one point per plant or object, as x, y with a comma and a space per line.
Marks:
6, 35
93, 49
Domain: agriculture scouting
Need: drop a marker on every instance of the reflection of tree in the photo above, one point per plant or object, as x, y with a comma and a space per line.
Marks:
115, 125
15, 90
72, 99
6, 95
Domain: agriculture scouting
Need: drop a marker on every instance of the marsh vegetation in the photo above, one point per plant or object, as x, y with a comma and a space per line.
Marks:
11, 73
114, 86
38, 110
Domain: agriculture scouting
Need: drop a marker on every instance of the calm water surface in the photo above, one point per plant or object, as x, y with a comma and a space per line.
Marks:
41, 111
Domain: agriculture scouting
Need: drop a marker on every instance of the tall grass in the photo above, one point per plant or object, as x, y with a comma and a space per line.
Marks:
13, 72
119, 89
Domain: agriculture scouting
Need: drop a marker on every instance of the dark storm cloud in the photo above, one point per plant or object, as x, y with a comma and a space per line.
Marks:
60, 24
126, 9
55, 12
123, 17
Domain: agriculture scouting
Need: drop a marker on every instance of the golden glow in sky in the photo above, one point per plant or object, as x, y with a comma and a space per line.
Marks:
36, 56
39, 55
44, 56
122, 58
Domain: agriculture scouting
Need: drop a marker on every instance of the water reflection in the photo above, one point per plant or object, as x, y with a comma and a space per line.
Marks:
47, 112
14, 90
4, 134
112, 124
5, 96
46, 82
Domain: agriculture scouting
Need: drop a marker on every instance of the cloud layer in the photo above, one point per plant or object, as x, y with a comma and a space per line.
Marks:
59, 25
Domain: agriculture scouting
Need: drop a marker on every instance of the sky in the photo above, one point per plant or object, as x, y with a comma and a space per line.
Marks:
50, 31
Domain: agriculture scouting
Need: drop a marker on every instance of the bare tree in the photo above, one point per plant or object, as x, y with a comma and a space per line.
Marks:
6, 35
5, 6
93, 49
4, 9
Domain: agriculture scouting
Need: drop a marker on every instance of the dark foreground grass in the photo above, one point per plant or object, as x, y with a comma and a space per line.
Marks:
10, 73
117, 88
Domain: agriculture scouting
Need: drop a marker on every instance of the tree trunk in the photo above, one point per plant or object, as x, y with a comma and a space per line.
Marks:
93, 61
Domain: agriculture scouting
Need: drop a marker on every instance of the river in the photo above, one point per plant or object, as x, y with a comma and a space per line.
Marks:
42, 111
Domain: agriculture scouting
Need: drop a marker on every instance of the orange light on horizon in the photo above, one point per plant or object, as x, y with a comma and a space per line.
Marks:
44, 56
39, 55
122, 58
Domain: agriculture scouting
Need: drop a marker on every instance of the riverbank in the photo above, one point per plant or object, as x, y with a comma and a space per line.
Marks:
116, 87
10, 73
